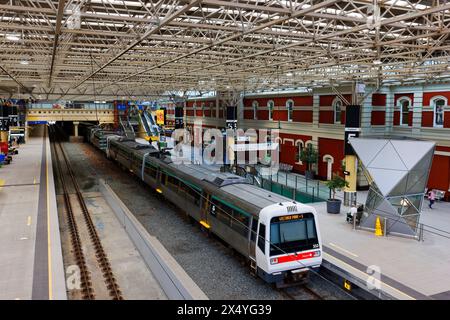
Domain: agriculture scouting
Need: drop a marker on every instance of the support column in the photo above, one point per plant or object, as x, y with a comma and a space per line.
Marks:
3, 136
75, 129
351, 166
390, 106
316, 106
217, 104
417, 112
352, 129
366, 115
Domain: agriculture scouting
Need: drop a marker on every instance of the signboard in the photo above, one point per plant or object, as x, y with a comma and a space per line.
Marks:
160, 117
4, 124
36, 122
179, 112
231, 120
352, 126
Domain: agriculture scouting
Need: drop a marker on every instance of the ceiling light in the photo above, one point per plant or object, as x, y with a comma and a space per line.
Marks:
24, 62
13, 37
289, 74
377, 62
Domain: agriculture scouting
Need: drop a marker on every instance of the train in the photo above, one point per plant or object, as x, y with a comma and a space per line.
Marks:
279, 238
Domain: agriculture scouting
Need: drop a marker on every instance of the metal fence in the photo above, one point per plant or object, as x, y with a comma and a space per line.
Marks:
294, 187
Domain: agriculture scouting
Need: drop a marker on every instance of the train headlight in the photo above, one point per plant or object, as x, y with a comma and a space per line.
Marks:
317, 253
274, 261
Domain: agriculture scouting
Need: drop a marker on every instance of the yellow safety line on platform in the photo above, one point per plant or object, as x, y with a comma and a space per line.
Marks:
366, 275
49, 243
342, 249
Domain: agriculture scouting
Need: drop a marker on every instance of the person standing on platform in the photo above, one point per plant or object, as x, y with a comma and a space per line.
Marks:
352, 213
431, 198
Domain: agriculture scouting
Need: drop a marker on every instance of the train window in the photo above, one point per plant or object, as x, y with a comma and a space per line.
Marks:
240, 222
196, 195
262, 237
192, 193
150, 171
163, 178
254, 229
172, 181
292, 234
223, 214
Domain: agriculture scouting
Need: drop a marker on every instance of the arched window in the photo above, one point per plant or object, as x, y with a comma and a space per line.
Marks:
337, 108
299, 145
255, 106
290, 109
404, 104
438, 104
270, 105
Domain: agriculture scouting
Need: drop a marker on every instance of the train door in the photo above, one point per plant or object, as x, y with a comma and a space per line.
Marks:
205, 205
252, 243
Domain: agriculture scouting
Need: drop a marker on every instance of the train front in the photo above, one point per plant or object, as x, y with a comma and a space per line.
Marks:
289, 243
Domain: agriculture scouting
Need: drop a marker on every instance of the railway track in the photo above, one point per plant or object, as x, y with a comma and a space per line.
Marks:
87, 288
302, 292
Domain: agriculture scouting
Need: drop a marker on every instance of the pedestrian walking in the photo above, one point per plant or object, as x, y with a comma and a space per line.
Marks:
431, 198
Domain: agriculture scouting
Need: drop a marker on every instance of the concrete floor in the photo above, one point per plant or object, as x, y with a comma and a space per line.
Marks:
19, 208
424, 266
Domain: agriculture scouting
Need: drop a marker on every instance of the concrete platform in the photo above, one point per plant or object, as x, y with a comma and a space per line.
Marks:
399, 268
31, 265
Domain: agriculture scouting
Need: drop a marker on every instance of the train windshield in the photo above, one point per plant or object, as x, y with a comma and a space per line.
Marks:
293, 233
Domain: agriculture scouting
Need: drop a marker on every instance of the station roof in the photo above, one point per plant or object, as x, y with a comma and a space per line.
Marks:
141, 49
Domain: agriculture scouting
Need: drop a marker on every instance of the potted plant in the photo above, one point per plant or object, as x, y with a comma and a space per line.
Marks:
309, 156
336, 183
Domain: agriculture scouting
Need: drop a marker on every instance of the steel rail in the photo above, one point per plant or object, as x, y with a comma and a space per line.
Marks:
102, 258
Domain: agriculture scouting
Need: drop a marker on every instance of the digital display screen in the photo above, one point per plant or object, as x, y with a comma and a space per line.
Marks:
288, 218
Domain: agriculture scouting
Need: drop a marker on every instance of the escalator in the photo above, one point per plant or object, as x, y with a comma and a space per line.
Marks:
151, 128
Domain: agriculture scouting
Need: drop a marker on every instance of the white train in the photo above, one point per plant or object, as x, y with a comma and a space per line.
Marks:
279, 238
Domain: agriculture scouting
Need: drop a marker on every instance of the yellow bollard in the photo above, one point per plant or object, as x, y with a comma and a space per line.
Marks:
378, 230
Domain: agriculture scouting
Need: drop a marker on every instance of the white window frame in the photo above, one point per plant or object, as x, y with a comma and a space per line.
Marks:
290, 111
299, 144
255, 106
400, 105
270, 110
203, 106
335, 102
433, 105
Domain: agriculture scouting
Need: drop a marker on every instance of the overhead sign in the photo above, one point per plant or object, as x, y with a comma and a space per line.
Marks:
352, 126
37, 122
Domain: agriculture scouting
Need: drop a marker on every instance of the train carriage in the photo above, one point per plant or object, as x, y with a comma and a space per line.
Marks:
279, 237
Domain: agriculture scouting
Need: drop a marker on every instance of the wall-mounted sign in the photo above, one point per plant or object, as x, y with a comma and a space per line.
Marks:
160, 117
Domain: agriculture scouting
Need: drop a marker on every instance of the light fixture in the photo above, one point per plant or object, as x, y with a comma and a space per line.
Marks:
289, 74
404, 202
377, 62
24, 62
13, 37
